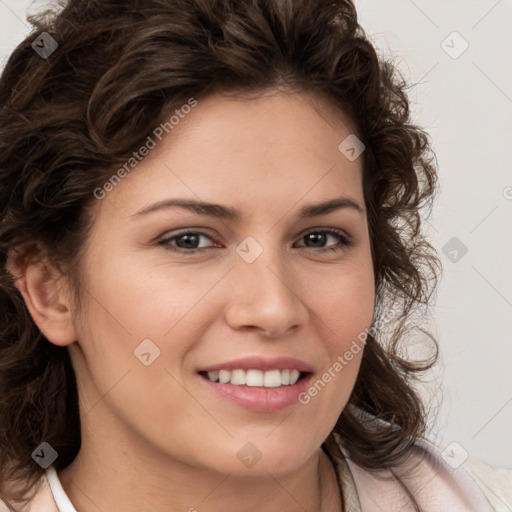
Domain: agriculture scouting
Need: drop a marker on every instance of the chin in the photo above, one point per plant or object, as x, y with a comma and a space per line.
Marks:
251, 461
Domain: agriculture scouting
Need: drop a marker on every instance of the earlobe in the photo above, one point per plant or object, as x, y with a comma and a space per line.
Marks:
42, 289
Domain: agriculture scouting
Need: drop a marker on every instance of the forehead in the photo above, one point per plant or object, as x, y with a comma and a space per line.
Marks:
279, 149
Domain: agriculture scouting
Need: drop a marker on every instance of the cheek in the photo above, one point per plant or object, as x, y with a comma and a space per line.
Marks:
147, 301
345, 302
137, 325
344, 308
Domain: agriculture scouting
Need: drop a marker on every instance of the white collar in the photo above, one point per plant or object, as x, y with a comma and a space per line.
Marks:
61, 499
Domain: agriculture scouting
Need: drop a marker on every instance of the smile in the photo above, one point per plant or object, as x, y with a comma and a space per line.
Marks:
261, 391
255, 378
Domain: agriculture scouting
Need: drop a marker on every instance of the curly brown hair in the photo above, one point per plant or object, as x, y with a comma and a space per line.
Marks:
68, 119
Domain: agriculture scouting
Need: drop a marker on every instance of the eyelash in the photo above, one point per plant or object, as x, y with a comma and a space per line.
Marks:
345, 241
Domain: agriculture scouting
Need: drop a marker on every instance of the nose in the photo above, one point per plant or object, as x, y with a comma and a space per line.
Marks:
265, 297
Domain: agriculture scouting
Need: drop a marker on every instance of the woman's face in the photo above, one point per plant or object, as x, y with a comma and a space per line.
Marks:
155, 313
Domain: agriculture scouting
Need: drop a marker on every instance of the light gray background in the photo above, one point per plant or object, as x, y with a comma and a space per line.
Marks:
465, 103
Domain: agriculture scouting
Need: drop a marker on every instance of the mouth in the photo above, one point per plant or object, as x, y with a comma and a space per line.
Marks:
259, 391
262, 384
255, 378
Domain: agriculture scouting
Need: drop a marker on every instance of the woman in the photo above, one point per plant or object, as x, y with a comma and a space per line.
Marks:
259, 367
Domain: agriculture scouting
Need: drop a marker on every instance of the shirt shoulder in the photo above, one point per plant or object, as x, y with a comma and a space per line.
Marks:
495, 483
435, 481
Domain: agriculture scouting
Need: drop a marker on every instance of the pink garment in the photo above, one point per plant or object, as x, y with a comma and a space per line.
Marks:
437, 485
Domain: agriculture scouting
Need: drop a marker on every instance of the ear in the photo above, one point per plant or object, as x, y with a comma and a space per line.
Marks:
46, 295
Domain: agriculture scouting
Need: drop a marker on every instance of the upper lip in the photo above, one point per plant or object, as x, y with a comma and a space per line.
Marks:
260, 363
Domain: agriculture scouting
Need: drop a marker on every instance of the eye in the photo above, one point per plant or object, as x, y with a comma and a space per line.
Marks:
187, 241
344, 240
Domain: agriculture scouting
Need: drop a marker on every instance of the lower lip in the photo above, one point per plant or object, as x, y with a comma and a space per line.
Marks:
259, 398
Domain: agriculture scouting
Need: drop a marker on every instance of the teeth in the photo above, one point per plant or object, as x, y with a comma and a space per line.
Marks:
238, 377
294, 376
253, 378
272, 379
213, 376
224, 376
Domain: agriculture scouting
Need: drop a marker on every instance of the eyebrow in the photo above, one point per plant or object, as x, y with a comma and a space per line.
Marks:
232, 214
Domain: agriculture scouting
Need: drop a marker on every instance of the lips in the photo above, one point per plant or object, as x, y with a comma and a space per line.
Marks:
259, 384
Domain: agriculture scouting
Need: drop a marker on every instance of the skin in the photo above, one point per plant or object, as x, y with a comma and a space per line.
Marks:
154, 437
